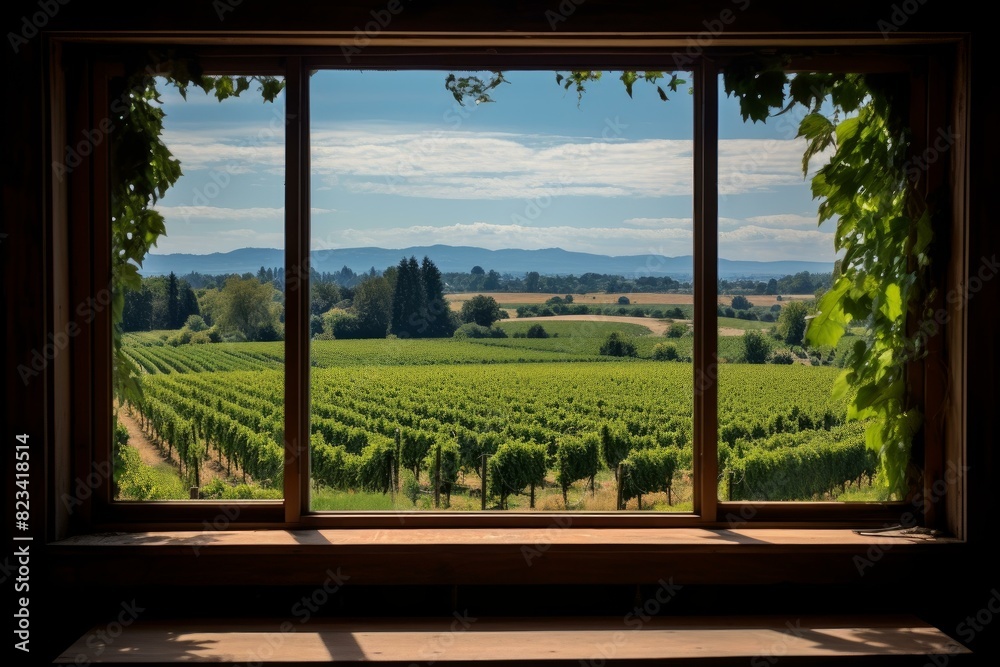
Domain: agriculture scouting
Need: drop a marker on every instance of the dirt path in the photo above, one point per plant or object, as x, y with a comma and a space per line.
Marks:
148, 452
658, 327
152, 456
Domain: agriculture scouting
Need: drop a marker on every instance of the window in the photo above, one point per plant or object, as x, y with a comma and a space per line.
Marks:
301, 86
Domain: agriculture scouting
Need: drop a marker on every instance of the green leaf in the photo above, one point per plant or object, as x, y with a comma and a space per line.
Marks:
663, 95
818, 129
892, 304
861, 406
223, 88
827, 327
271, 87
842, 385
847, 129
629, 78
873, 437
207, 83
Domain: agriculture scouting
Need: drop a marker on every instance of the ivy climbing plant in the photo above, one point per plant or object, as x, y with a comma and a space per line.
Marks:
883, 228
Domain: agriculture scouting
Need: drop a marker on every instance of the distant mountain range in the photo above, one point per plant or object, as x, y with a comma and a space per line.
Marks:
549, 261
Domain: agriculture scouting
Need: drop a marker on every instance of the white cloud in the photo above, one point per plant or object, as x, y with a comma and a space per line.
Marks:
464, 165
786, 221
439, 164
660, 223
751, 242
245, 149
216, 213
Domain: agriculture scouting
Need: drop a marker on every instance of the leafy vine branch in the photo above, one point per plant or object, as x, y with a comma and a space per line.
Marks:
883, 225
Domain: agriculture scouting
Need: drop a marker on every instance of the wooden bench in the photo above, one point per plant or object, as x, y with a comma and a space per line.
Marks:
584, 641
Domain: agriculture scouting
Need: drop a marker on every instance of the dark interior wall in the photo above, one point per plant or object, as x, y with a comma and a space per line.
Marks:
948, 597
461, 16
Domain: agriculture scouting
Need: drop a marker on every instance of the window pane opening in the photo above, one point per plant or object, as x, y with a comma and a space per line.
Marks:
501, 287
199, 412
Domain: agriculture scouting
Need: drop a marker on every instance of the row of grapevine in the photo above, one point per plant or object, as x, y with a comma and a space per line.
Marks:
799, 468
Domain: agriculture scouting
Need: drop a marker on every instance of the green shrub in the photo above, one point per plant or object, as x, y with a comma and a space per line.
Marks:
537, 331
677, 330
409, 486
741, 303
472, 330
782, 357
234, 337
665, 352
182, 338
617, 345
195, 323
755, 347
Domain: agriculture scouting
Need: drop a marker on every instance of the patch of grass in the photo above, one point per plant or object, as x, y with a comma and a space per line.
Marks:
863, 494
139, 481
324, 499
737, 323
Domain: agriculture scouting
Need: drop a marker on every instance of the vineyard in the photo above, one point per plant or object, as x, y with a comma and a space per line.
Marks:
421, 422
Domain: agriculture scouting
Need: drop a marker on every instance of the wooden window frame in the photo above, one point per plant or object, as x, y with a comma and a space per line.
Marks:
81, 233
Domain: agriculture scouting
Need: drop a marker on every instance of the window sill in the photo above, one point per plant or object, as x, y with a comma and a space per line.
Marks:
554, 555
524, 641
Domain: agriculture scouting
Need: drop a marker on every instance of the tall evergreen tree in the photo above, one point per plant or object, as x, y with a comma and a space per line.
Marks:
173, 302
188, 303
137, 313
407, 299
436, 313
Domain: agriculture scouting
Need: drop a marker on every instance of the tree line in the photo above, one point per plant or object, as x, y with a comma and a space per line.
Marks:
163, 302
406, 301
479, 279
799, 283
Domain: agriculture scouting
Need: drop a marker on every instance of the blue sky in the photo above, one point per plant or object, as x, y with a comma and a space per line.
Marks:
397, 162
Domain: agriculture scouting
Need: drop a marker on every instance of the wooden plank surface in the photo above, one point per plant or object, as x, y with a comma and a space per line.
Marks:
680, 539
522, 641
